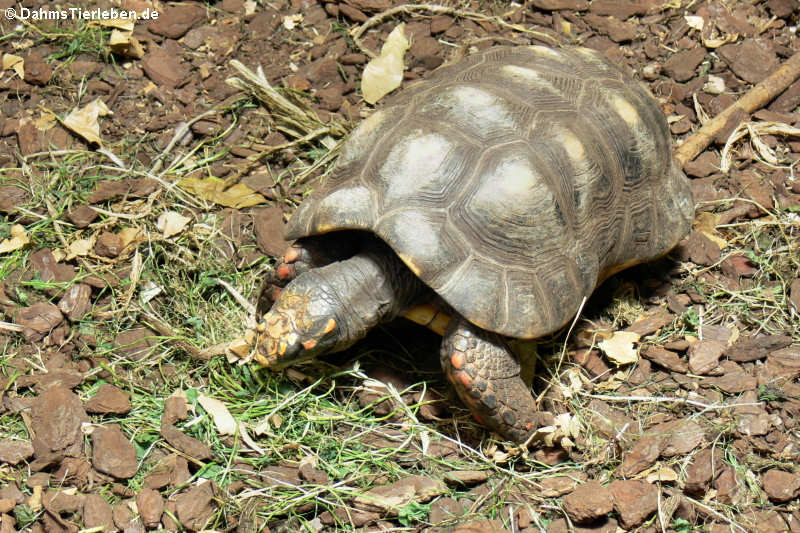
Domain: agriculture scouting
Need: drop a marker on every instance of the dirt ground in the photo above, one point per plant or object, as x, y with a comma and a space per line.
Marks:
127, 267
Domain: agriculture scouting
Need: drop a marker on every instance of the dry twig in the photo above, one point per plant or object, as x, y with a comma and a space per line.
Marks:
753, 100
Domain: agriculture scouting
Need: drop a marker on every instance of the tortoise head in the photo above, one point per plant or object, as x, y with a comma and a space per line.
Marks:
301, 325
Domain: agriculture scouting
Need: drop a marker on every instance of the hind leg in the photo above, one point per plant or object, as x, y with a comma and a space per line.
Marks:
487, 378
303, 255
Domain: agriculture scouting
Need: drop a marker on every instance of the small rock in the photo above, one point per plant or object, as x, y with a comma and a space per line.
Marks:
12, 197
113, 453
784, 363
97, 512
56, 419
136, 343
555, 486
703, 165
751, 59
186, 444
702, 471
682, 436
352, 13
58, 501
37, 71
108, 245
163, 68
14, 451
701, 249
445, 509
323, 71
588, 502
634, 501
175, 20
196, 506
623, 10
651, 324
642, 455
665, 358
38, 320
704, 356
82, 215
109, 400
556, 5
753, 349
731, 488
480, 526
738, 266
391, 498
75, 302
151, 506
794, 294
681, 66
441, 23
617, 30
465, 478
781, 486
330, 98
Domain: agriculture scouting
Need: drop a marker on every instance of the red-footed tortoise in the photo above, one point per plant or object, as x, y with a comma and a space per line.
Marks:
509, 184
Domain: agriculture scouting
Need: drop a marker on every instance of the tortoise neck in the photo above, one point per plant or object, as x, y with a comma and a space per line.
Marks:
372, 286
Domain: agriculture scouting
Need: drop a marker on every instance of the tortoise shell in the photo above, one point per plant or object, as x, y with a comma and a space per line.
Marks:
512, 183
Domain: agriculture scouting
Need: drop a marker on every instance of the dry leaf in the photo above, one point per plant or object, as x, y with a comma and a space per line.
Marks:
223, 420
45, 121
719, 41
706, 223
171, 223
128, 235
212, 189
619, 348
81, 247
695, 22
290, 22
125, 44
663, 474
84, 121
10, 61
17, 240
384, 74
123, 24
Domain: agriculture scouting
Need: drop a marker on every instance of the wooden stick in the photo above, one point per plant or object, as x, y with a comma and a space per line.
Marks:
753, 100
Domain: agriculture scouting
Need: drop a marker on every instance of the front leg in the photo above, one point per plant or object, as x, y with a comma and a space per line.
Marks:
487, 378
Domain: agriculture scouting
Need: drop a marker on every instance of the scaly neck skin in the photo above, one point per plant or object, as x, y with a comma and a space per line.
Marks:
371, 287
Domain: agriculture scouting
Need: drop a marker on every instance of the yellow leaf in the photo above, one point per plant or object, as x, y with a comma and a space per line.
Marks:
84, 121
128, 235
79, 247
384, 74
706, 223
290, 22
223, 420
17, 240
619, 348
125, 24
125, 44
171, 223
10, 61
211, 189
662, 474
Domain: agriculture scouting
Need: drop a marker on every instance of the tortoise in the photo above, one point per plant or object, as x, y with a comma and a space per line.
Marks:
509, 184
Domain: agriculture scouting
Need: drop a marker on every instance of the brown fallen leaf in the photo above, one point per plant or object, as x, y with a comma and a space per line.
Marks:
706, 223
213, 190
384, 74
83, 121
